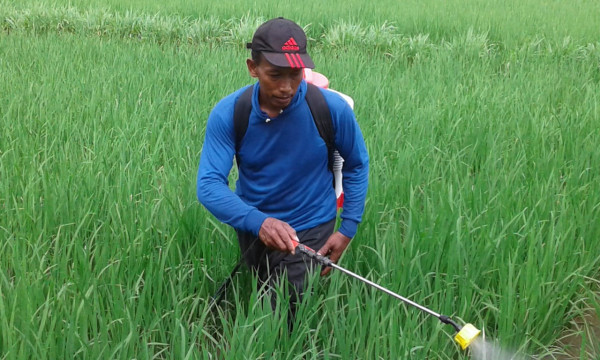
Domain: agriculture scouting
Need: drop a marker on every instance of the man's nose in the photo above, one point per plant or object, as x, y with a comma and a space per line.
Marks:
285, 85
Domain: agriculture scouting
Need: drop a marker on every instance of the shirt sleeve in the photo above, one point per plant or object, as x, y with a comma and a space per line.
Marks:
350, 143
216, 160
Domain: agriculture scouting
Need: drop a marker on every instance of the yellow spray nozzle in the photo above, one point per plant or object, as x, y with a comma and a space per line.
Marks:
466, 335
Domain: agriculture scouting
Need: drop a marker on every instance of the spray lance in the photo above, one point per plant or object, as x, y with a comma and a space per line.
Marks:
465, 335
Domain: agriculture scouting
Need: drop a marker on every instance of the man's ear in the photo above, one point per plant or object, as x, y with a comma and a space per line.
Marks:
252, 68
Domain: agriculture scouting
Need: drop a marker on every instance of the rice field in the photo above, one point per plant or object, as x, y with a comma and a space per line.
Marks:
482, 121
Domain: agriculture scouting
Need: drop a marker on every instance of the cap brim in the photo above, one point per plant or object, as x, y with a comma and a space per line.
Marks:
291, 60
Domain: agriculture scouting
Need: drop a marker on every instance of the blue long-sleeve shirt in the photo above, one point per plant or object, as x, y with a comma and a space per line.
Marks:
283, 166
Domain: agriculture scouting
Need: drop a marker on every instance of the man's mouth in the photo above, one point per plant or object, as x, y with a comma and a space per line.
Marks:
283, 101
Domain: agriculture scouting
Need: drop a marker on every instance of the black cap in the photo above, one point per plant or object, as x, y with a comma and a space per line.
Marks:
283, 43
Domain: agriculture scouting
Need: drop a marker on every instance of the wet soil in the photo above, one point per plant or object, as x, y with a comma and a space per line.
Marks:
582, 339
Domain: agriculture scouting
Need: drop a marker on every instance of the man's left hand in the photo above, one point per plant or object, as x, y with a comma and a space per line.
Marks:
334, 247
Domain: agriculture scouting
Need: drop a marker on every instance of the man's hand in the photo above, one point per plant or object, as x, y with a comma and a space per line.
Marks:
277, 235
334, 247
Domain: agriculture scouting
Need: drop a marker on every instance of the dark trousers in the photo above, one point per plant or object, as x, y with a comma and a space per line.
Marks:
270, 265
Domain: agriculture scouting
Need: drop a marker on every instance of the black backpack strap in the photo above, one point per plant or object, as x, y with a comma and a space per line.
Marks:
241, 114
322, 117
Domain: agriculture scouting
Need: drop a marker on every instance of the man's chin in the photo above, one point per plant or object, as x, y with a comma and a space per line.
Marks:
282, 103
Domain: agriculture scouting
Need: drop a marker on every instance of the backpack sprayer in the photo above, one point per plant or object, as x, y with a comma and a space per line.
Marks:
465, 335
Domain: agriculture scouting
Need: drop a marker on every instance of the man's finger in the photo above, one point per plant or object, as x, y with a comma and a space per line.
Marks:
292, 244
336, 254
289, 245
287, 235
324, 250
277, 235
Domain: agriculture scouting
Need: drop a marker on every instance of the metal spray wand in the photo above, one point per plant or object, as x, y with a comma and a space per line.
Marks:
465, 334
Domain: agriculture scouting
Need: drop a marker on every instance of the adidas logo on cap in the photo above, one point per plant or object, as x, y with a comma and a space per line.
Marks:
290, 45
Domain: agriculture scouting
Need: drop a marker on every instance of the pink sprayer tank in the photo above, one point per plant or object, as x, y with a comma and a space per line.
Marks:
316, 78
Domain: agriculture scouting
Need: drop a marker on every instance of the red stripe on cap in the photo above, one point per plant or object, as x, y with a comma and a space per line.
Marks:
300, 61
293, 41
296, 57
289, 59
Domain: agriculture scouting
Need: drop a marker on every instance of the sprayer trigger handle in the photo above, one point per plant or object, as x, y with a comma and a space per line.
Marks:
314, 255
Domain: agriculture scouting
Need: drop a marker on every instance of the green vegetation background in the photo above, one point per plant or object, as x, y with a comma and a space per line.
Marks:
482, 120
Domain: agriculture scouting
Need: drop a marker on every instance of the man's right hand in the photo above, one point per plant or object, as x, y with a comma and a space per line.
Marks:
277, 235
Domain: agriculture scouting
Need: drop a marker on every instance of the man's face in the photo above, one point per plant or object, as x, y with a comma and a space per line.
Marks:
278, 85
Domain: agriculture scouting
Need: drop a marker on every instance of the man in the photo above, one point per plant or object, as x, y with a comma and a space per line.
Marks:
284, 191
